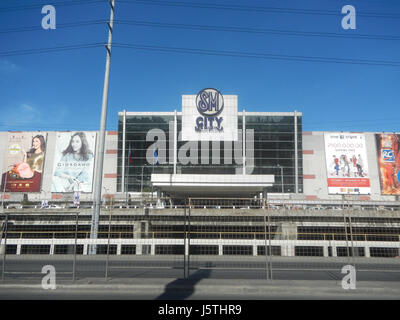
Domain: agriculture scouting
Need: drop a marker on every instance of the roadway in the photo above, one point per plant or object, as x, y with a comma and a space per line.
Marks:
21, 268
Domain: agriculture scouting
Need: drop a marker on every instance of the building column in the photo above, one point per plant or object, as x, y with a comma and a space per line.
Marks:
367, 252
288, 250
326, 251
158, 189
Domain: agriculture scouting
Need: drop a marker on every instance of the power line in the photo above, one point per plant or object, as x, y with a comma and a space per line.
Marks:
210, 28
258, 9
258, 55
48, 50
62, 25
60, 3
253, 30
208, 52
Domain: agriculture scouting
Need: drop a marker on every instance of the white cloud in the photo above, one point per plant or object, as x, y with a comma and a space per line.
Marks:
27, 107
7, 66
28, 116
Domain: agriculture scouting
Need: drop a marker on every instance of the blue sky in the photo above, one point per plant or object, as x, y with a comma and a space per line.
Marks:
63, 90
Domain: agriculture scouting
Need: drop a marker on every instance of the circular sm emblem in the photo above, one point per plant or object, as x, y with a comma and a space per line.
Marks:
209, 102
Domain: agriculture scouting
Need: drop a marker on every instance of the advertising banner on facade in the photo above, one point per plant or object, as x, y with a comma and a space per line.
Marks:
388, 147
346, 163
74, 162
209, 116
24, 162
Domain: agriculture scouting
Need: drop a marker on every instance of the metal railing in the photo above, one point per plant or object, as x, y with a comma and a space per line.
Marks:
256, 235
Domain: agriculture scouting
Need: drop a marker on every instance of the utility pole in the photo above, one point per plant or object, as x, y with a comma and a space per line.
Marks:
101, 140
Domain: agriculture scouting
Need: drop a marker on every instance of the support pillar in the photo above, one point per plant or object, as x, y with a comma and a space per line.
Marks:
367, 252
325, 251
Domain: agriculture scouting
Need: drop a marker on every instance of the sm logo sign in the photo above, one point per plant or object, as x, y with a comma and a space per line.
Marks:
209, 103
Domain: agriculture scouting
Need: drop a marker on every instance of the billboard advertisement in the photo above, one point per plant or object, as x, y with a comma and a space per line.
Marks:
74, 162
346, 163
388, 147
24, 162
209, 116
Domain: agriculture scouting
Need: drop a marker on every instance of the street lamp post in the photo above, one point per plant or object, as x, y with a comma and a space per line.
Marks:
101, 140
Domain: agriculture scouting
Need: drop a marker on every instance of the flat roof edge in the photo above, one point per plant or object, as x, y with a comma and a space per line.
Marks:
169, 113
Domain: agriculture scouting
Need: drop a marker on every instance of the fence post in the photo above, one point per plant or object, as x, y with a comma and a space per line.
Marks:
268, 265
184, 242
270, 245
188, 260
76, 239
4, 230
108, 242
265, 246
351, 238
347, 240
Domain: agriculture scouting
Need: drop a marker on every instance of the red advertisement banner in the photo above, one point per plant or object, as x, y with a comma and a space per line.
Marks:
348, 182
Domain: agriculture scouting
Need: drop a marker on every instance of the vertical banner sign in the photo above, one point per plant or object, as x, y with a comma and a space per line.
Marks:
346, 163
24, 162
209, 116
388, 147
74, 162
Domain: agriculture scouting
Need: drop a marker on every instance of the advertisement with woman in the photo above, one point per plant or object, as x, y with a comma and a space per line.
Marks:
24, 162
74, 162
388, 146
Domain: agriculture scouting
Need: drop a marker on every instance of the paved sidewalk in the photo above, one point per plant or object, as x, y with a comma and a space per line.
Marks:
139, 288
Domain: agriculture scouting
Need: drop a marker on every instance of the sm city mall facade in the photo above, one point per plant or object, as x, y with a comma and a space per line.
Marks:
208, 149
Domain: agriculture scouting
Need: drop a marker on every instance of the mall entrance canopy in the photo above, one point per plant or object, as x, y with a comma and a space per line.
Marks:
211, 185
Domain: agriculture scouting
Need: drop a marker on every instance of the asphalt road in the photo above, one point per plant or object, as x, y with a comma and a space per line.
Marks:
211, 278
21, 268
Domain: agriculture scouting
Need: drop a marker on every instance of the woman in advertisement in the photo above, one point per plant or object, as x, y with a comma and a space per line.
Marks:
26, 176
34, 158
73, 169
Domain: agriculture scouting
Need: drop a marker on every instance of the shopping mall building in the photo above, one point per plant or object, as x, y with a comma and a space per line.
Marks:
209, 149
223, 173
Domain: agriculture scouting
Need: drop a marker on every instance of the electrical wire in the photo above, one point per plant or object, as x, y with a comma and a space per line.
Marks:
257, 9
60, 3
254, 30
257, 55
237, 54
209, 28
59, 26
48, 50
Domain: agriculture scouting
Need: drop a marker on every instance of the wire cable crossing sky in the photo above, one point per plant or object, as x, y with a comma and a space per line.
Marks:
275, 55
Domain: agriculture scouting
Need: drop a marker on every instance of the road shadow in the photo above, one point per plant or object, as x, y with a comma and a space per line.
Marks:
181, 289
